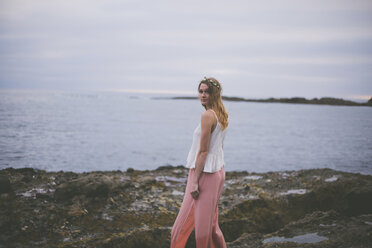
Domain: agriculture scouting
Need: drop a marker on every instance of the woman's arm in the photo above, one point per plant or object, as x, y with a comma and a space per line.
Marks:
207, 119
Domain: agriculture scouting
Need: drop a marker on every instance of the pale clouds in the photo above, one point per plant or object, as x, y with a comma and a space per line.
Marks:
255, 48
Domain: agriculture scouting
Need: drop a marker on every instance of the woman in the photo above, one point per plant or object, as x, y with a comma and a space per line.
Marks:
206, 176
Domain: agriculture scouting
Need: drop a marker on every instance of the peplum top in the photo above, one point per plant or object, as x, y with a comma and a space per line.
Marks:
215, 157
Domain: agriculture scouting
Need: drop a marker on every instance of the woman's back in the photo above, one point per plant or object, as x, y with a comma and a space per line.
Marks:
215, 158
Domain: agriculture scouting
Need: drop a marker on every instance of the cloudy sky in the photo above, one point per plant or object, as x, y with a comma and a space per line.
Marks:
257, 49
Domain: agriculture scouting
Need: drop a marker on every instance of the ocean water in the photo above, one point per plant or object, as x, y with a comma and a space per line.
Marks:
87, 131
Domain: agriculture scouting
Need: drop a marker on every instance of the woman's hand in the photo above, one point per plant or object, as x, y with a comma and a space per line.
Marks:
194, 191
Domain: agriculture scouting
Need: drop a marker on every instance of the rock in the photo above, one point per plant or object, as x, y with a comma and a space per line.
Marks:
91, 186
318, 229
143, 237
265, 215
326, 229
247, 240
369, 102
169, 167
259, 215
27, 174
5, 186
138, 208
358, 201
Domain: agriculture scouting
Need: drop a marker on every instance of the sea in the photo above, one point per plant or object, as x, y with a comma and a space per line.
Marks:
83, 131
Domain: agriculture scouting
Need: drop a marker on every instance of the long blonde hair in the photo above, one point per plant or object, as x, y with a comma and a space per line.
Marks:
215, 99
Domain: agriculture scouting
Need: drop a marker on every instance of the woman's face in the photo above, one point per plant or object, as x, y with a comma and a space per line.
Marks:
204, 94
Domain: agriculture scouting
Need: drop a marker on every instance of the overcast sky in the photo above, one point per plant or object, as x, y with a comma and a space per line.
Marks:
256, 49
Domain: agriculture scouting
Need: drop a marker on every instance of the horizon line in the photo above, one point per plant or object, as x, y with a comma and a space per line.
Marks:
180, 92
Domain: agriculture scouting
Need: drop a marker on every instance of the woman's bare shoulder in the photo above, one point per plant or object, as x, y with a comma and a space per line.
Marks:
207, 117
207, 114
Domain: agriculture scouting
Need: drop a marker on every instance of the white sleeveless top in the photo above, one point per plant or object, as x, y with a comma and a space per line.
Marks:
215, 157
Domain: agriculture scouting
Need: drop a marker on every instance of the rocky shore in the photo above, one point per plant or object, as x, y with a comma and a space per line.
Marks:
306, 208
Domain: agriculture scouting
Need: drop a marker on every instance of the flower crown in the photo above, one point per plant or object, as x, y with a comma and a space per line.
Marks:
212, 82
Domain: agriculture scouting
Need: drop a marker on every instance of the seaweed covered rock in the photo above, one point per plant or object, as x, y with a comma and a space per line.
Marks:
138, 208
91, 186
273, 210
317, 229
5, 186
143, 237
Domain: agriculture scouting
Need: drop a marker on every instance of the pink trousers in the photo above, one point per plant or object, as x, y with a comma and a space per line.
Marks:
201, 214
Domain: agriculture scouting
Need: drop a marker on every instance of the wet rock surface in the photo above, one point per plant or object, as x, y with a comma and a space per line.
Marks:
307, 208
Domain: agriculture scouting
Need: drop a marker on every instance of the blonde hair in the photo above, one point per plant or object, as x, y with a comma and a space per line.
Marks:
215, 99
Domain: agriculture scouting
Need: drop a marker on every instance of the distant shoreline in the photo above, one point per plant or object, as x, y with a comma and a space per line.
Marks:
294, 100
